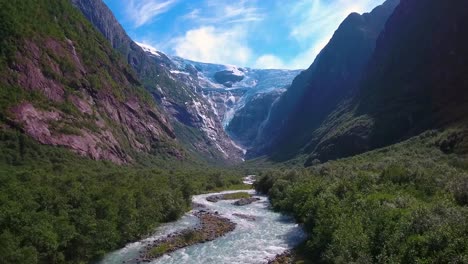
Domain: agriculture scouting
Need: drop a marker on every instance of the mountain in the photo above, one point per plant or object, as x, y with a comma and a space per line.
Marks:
319, 97
228, 91
233, 91
426, 87
249, 119
63, 85
413, 82
195, 122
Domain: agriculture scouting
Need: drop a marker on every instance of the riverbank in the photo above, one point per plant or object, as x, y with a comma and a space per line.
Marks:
211, 226
260, 234
228, 196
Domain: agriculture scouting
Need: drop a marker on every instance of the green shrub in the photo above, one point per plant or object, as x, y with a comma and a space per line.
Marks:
403, 204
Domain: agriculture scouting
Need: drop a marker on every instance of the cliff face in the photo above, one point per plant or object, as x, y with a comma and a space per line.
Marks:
65, 86
248, 120
196, 124
426, 86
321, 94
355, 97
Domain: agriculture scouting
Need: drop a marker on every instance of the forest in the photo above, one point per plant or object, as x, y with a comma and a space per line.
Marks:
57, 207
406, 203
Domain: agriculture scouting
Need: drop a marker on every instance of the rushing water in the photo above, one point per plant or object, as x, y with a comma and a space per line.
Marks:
251, 241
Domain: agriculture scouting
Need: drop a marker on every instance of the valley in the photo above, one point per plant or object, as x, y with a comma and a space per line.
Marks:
260, 234
114, 151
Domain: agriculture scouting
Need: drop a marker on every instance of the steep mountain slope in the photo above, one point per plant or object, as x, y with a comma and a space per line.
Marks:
195, 123
63, 85
326, 86
416, 80
248, 120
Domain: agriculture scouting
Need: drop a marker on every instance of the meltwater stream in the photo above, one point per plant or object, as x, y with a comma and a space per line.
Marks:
251, 242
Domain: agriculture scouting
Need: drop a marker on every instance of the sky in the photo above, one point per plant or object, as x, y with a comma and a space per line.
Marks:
267, 34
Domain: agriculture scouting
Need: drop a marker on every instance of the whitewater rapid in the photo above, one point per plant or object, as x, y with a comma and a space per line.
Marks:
251, 242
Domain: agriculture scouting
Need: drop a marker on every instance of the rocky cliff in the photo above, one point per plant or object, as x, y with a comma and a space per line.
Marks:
384, 77
247, 121
234, 98
64, 85
415, 80
196, 124
319, 97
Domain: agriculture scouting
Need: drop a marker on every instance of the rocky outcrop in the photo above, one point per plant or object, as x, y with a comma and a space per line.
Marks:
413, 82
248, 120
93, 107
228, 78
233, 104
50, 128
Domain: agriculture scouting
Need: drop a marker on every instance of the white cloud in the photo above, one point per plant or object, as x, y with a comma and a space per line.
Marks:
223, 31
225, 12
141, 12
269, 61
209, 44
300, 61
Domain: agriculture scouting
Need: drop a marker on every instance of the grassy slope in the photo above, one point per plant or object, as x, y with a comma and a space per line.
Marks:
406, 203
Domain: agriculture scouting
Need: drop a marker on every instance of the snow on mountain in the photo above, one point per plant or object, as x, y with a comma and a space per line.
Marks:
148, 49
232, 97
227, 89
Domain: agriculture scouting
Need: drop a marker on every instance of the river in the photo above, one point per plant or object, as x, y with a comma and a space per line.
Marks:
251, 242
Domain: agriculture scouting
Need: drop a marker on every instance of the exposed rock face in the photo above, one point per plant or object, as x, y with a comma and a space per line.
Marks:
77, 114
227, 78
240, 97
37, 124
424, 88
248, 120
196, 124
364, 92
224, 101
427, 87
319, 96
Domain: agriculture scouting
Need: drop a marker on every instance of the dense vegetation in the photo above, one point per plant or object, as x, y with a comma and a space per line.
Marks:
56, 207
403, 204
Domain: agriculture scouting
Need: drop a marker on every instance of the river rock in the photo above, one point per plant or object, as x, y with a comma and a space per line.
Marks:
211, 226
214, 198
246, 201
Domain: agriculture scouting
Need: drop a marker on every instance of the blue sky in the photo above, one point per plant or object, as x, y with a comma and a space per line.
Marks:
255, 33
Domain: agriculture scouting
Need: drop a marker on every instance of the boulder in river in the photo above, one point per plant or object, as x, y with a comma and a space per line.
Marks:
246, 201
